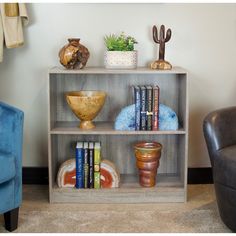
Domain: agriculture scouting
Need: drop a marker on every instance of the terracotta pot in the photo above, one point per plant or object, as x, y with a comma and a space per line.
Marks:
147, 156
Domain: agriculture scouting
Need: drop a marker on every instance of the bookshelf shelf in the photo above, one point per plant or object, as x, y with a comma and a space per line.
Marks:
105, 128
101, 70
168, 189
117, 146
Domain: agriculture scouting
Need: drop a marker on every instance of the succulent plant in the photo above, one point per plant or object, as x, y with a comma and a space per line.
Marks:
119, 43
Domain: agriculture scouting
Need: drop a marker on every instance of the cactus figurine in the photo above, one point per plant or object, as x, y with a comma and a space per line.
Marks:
163, 38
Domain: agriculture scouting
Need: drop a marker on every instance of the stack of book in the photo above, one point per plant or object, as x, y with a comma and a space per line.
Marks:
146, 100
88, 159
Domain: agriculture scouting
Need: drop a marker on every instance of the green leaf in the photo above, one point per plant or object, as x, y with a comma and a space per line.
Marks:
119, 43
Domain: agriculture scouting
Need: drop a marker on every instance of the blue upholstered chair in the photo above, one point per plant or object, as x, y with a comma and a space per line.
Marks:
11, 136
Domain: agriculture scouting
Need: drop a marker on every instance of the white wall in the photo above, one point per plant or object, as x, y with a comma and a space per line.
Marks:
203, 42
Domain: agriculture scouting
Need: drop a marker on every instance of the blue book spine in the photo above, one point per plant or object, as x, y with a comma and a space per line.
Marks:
137, 102
143, 118
79, 162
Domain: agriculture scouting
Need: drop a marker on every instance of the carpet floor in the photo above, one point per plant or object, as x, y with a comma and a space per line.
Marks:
198, 215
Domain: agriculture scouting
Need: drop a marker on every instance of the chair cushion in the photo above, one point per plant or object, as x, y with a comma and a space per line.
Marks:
224, 170
7, 167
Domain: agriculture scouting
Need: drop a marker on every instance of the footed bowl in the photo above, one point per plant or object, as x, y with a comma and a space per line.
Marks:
86, 105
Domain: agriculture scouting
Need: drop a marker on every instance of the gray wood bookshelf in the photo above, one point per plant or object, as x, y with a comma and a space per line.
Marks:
117, 146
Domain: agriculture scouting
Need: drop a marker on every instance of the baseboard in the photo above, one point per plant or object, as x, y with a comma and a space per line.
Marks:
39, 175
200, 175
35, 175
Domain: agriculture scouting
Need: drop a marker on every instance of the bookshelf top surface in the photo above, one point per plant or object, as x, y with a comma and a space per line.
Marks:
102, 70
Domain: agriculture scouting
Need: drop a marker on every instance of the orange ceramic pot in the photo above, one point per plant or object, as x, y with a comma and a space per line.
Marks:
147, 156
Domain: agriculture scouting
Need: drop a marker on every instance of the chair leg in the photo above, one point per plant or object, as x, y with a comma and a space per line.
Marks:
11, 219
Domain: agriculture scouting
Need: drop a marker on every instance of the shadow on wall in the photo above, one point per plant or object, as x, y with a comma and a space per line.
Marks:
30, 11
196, 138
40, 141
155, 46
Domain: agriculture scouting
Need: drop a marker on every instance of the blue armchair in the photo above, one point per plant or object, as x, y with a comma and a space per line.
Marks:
11, 136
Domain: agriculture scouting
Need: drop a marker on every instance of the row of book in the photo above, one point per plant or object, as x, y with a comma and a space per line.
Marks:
88, 159
146, 99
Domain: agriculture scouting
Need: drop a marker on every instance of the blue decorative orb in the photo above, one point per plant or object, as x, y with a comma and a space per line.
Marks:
168, 119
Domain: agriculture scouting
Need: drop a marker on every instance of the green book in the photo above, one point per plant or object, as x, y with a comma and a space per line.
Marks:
97, 161
97, 180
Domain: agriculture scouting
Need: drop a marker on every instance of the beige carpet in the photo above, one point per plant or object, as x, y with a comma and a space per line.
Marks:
199, 214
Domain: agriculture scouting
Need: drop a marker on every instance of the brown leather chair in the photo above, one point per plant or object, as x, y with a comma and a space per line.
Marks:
220, 134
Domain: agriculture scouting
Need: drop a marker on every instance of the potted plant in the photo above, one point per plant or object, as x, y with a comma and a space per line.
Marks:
120, 52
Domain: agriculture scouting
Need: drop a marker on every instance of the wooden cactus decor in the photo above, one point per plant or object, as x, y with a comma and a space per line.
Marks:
163, 38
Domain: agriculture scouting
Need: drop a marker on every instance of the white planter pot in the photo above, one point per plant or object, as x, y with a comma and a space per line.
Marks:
121, 59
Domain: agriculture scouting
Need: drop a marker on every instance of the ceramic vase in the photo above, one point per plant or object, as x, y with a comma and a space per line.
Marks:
121, 59
74, 55
147, 156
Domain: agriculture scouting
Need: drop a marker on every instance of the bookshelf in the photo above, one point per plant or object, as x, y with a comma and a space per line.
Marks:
117, 146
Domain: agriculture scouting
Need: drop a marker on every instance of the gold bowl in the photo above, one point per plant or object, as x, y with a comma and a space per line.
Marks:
86, 105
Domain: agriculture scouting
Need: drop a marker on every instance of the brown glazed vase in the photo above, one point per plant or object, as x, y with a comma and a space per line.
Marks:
147, 156
74, 55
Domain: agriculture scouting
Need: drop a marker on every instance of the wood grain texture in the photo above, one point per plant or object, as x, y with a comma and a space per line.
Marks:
102, 70
119, 93
103, 127
168, 189
119, 149
136, 196
117, 146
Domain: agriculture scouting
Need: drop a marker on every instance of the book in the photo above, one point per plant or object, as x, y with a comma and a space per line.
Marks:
137, 102
79, 155
149, 107
143, 108
86, 165
155, 105
91, 164
97, 183
97, 162
97, 156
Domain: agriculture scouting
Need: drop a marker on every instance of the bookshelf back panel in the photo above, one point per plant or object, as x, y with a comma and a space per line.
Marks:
119, 93
119, 149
